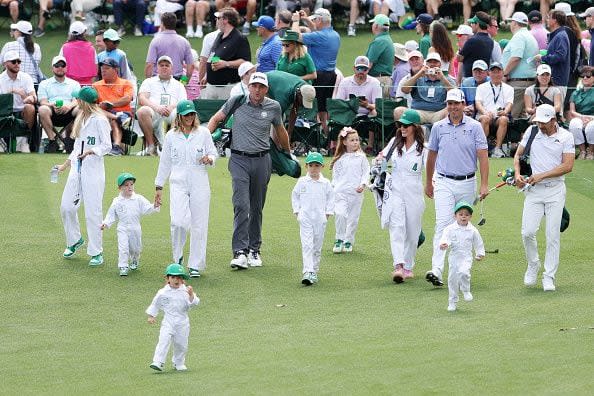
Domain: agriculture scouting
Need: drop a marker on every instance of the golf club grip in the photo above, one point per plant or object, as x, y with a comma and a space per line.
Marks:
492, 251
82, 150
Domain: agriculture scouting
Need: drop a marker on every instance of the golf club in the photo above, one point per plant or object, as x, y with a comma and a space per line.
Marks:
482, 221
78, 188
495, 251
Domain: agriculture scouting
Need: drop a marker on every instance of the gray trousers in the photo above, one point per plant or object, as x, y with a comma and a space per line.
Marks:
249, 177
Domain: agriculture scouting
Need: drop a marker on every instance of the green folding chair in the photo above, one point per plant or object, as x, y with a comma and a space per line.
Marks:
385, 117
307, 131
206, 108
341, 113
10, 125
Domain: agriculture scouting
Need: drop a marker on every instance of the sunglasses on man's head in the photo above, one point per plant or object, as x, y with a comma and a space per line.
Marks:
16, 62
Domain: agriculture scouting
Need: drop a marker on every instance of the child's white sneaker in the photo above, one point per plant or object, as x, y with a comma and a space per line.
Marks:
156, 366
123, 271
468, 296
348, 247
134, 264
337, 246
181, 367
451, 307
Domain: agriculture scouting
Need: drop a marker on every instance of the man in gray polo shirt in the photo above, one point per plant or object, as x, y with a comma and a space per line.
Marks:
250, 165
455, 145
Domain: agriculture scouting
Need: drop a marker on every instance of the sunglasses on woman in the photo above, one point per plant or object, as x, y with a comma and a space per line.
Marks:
586, 75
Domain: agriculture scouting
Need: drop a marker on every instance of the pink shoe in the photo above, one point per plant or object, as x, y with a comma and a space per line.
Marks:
408, 274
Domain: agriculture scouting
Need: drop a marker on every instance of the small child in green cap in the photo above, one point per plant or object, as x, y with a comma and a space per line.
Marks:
175, 300
313, 203
461, 237
127, 208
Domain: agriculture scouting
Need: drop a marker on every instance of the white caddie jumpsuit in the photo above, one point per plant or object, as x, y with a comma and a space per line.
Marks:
87, 183
175, 303
546, 198
461, 241
404, 209
189, 191
349, 172
312, 200
128, 211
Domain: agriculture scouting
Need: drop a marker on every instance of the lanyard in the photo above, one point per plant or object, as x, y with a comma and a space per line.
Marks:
496, 98
165, 86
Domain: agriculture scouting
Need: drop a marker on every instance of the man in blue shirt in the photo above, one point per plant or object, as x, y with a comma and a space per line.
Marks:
270, 51
455, 145
480, 75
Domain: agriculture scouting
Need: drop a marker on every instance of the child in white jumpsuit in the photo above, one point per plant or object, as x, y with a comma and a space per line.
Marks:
175, 300
403, 208
313, 202
86, 180
350, 175
127, 208
187, 150
461, 237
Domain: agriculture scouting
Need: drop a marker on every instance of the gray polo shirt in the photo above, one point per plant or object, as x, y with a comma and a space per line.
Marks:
251, 124
456, 145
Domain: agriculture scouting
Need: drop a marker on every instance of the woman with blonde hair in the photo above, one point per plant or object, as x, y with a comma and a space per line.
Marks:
295, 59
187, 150
86, 181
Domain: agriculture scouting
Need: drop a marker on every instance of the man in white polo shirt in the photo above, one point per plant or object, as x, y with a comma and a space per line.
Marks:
552, 154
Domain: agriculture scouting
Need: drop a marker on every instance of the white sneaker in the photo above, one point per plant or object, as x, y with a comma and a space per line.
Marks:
198, 33
123, 271
181, 367
156, 366
245, 30
148, 151
548, 284
531, 275
137, 32
190, 33
351, 31
360, 20
239, 261
498, 153
254, 259
451, 307
468, 296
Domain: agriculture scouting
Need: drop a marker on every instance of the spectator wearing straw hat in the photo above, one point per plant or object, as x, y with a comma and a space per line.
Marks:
401, 67
381, 53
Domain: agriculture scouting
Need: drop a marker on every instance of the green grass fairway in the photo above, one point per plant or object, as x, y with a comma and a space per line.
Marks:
71, 329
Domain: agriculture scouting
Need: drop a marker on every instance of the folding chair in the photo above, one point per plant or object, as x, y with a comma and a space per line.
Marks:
307, 131
341, 113
385, 117
206, 108
10, 126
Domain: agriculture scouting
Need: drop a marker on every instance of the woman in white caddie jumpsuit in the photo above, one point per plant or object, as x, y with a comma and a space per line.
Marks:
187, 150
86, 180
403, 207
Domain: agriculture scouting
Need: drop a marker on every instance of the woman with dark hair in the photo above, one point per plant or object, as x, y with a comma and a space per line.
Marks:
581, 114
574, 33
29, 52
544, 91
295, 59
403, 211
80, 55
440, 43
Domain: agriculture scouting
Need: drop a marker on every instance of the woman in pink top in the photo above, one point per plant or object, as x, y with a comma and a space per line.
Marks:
80, 55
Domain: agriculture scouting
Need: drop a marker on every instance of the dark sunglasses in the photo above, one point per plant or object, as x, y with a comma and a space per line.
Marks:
16, 62
287, 44
60, 65
401, 125
361, 68
586, 75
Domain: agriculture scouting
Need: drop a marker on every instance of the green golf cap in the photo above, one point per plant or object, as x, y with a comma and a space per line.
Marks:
314, 157
176, 270
381, 19
462, 205
186, 107
86, 94
409, 117
125, 176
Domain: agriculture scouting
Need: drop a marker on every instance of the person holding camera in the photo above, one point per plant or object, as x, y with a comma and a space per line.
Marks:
428, 89
552, 155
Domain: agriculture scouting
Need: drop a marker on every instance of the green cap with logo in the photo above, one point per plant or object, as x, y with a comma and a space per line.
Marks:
176, 270
462, 205
125, 176
86, 94
186, 107
409, 117
314, 157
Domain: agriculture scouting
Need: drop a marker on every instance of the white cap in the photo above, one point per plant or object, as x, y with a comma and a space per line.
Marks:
564, 8
543, 68
400, 52
455, 95
589, 12
218, 14
10, 56
244, 68
480, 64
308, 93
463, 29
77, 28
519, 17
23, 27
164, 58
414, 53
411, 45
362, 61
258, 78
544, 113
58, 58
433, 56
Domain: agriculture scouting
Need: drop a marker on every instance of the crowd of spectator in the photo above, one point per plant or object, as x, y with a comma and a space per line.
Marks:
502, 81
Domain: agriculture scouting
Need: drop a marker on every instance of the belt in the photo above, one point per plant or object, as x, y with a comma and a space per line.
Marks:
251, 155
466, 177
521, 79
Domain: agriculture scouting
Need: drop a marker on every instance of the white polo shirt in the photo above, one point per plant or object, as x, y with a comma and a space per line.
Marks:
22, 80
493, 97
163, 92
547, 152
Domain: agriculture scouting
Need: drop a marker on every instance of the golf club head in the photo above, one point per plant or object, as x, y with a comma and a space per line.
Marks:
482, 221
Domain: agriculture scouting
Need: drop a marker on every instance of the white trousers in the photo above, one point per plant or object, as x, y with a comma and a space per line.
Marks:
347, 210
83, 5
312, 238
405, 226
129, 245
445, 194
458, 274
92, 185
179, 335
164, 6
189, 210
576, 127
543, 199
